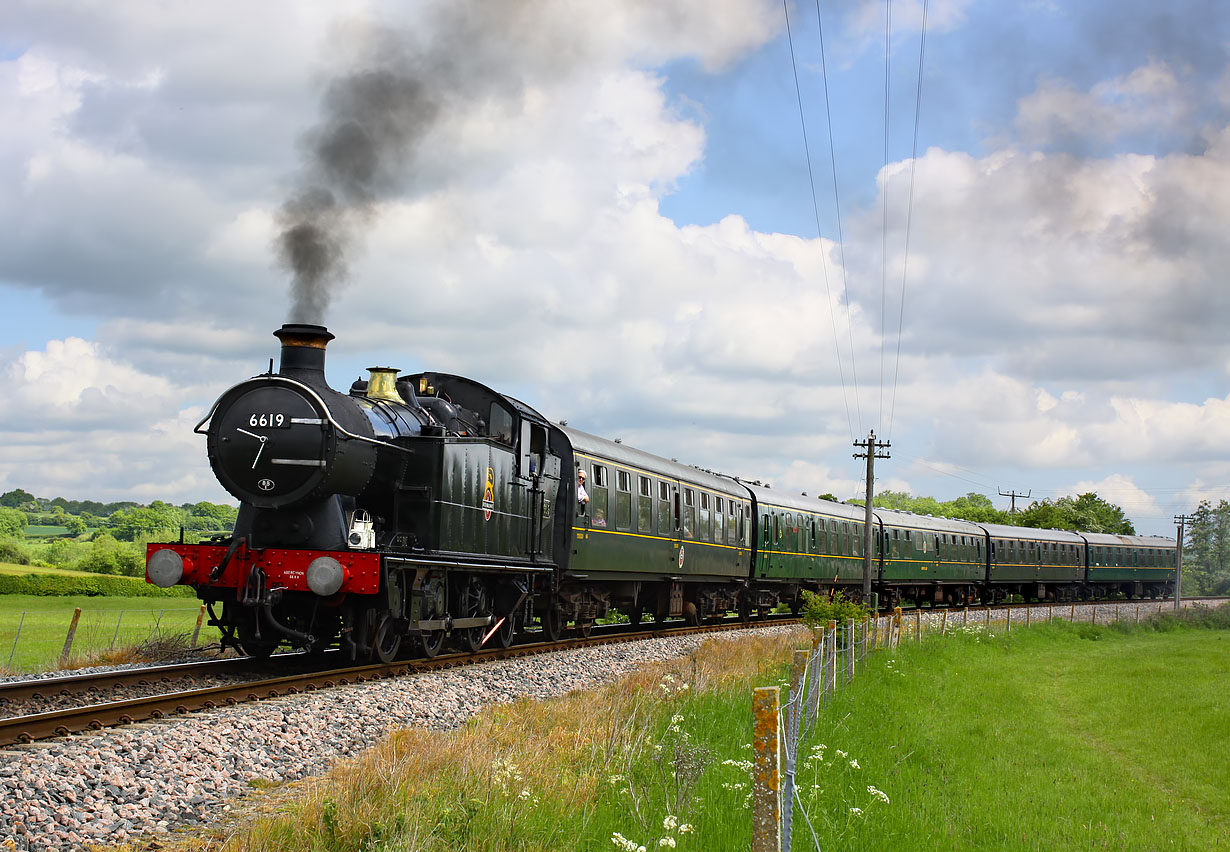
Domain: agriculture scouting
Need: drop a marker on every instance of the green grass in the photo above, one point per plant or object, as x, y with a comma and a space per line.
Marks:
40, 531
21, 570
1060, 737
44, 623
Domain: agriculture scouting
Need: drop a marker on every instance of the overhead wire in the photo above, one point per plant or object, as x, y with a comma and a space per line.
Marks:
909, 221
816, 213
888, 53
841, 242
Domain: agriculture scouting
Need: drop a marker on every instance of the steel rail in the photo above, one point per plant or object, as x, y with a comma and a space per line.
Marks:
56, 723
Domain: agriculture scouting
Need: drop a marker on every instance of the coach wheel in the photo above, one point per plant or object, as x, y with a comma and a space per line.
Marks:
745, 609
388, 640
553, 623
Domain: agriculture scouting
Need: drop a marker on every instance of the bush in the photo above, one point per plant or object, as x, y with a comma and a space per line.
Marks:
50, 585
14, 551
819, 610
108, 556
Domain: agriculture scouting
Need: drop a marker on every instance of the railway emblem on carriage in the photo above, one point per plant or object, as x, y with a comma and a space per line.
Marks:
681, 556
489, 495
265, 484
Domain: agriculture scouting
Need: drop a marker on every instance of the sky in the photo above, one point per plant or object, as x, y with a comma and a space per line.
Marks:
609, 211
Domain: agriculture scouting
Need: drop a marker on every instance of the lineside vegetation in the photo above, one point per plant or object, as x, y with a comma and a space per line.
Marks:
1061, 736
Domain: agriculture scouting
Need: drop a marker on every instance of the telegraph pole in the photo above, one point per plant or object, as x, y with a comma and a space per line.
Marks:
873, 448
1014, 495
1181, 520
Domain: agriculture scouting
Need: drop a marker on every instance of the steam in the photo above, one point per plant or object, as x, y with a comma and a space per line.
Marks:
374, 117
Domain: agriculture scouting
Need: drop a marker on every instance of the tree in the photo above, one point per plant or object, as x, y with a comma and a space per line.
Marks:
12, 522
154, 519
16, 499
1086, 513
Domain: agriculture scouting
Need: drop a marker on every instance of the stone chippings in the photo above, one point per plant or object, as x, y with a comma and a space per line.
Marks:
124, 783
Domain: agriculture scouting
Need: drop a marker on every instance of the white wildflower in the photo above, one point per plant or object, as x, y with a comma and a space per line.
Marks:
667, 842
858, 812
879, 794
854, 765
686, 828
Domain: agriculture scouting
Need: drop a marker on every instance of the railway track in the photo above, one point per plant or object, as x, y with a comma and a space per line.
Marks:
164, 699
96, 716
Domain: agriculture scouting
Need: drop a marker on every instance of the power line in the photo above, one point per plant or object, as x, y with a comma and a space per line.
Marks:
841, 243
815, 205
888, 53
909, 218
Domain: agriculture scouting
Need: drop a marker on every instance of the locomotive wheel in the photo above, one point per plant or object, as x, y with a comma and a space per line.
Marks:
432, 643
474, 604
245, 635
553, 623
506, 632
388, 640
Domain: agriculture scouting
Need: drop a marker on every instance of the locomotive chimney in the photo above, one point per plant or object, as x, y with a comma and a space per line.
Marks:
303, 351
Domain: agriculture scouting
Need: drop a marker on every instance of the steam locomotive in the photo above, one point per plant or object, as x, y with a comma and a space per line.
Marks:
415, 511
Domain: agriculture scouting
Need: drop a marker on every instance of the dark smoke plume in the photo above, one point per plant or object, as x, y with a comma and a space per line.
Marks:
374, 116
372, 119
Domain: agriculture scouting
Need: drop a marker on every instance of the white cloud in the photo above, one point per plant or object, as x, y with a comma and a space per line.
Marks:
1148, 97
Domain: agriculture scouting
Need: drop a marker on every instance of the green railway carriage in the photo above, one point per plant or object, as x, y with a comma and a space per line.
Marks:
656, 537
929, 559
804, 540
1137, 566
1042, 564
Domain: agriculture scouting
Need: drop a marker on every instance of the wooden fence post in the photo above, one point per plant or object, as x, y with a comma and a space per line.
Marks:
68, 642
196, 634
766, 771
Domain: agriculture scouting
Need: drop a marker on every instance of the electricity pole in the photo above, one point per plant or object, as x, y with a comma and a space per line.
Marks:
1181, 520
873, 447
1014, 495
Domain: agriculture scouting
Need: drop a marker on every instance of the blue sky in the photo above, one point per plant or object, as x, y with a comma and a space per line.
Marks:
607, 213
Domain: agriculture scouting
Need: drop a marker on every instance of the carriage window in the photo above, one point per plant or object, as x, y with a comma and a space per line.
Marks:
813, 534
733, 521
598, 497
623, 500
664, 509
689, 513
718, 505
719, 522
644, 506
704, 531
764, 526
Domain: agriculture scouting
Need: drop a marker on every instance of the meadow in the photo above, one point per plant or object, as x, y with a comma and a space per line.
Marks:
1060, 736
110, 628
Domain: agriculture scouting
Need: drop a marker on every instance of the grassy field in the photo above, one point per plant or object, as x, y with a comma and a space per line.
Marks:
10, 568
1067, 737
107, 624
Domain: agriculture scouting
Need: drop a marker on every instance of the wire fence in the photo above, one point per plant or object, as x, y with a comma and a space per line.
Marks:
838, 652
40, 640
